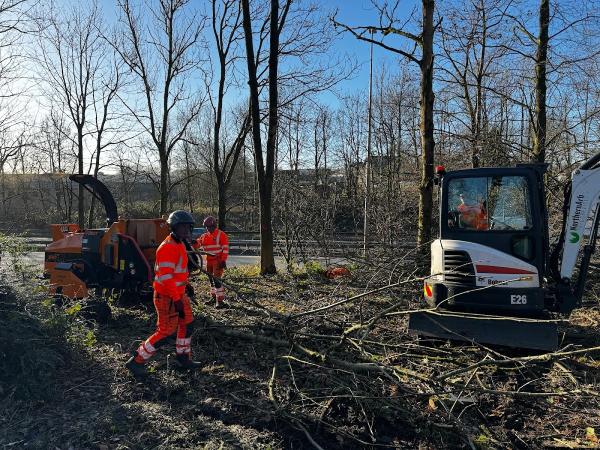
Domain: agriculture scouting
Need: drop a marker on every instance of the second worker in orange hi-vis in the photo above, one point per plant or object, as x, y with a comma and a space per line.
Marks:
215, 243
170, 300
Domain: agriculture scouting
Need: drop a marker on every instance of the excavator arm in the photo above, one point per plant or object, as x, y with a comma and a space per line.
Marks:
581, 216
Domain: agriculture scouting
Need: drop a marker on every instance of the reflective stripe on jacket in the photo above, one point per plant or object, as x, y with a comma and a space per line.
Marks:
216, 243
170, 269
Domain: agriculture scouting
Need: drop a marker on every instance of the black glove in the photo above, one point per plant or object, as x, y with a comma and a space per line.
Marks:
178, 304
222, 265
189, 290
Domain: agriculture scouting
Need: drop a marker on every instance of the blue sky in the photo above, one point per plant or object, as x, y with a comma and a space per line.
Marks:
351, 12
360, 13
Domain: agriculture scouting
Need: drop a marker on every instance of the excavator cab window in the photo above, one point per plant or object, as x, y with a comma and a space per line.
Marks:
502, 208
495, 203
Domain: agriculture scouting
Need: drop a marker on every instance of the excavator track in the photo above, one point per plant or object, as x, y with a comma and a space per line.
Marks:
515, 332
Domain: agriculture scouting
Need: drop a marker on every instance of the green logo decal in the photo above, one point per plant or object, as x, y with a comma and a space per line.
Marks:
574, 237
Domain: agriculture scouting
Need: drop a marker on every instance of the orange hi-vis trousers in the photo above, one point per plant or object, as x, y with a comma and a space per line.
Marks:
216, 287
167, 324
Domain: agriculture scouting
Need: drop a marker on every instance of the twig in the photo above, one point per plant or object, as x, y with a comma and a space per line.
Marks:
346, 300
306, 433
545, 357
271, 386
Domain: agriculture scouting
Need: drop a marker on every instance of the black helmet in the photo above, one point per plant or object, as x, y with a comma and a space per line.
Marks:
179, 217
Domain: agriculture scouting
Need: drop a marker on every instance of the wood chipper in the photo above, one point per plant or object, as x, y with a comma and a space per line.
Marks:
494, 277
119, 257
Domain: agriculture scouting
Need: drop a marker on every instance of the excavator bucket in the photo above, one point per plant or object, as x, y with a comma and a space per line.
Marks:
484, 329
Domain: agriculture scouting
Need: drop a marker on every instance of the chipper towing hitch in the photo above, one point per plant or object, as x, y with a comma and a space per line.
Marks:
494, 277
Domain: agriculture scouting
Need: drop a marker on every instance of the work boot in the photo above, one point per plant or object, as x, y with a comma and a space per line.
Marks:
185, 362
137, 369
211, 299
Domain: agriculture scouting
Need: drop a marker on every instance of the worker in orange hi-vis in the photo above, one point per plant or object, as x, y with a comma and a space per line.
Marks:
215, 243
473, 217
170, 299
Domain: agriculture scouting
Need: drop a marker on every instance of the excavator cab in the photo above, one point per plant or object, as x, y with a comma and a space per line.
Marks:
494, 278
492, 236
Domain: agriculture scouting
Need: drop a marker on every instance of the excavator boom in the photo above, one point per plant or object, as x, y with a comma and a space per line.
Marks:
581, 223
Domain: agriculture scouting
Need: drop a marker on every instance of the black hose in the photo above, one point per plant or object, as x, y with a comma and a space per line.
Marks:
591, 163
557, 251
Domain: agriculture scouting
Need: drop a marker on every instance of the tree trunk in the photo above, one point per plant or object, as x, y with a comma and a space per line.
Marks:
220, 172
3, 190
222, 202
539, 136
96, 170
164, 183
267, 260
80, 198
188, 181
264, 174
91, 212
267, 257
426, 127
479, 92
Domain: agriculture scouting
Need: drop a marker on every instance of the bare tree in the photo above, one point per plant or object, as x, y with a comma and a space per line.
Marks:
56, 154
162, 55
265, 169
14, 23
72, 51
424, 41
226, 27
572, 42
105, 89
470, 42
296, 34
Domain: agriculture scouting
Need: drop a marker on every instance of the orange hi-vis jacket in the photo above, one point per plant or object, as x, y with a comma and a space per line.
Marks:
475, 217
171, 268
216, 243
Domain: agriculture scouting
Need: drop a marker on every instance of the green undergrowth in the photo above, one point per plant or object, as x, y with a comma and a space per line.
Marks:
12, 249
306, 271
38, 339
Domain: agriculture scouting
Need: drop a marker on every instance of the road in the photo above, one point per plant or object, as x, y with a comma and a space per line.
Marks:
37, 259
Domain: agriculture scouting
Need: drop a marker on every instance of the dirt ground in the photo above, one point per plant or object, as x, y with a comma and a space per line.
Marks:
274, 378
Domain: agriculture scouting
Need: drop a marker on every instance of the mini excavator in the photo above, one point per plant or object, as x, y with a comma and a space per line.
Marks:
118, 258
494, 278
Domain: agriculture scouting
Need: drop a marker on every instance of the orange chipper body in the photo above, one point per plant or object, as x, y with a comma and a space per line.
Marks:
120, 256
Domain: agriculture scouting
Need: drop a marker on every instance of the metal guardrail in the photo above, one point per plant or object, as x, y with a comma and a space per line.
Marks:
241, 246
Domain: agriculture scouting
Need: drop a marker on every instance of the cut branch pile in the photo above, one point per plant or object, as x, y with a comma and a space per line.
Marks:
345, 370
302, 361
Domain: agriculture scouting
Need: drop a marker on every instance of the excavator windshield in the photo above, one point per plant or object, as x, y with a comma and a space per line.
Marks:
489, 203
